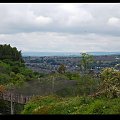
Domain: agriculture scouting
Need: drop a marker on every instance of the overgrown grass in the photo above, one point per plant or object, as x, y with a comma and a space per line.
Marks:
72, 105
38, 102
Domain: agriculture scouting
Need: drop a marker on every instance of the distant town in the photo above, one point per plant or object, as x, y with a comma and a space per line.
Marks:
48, 64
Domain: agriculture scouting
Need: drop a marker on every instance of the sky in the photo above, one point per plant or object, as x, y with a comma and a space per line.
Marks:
61, 27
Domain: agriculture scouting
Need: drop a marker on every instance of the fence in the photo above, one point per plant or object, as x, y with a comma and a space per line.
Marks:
18, 98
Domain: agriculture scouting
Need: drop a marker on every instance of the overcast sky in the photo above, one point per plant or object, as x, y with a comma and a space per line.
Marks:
61, 27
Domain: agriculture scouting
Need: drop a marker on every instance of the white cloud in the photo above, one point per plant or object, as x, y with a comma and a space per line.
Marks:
43, 20
74, 15
63, 42
61, 27
21, 19
114, 21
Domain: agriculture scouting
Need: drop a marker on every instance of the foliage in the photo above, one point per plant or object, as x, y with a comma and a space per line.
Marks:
12, 68
7, 52
110, 85
4, 67
100, 106
13, 74
18, 79
71, 105
86, 61
87, 84
72, 76
61, 69
4, 107
37, 101
28, 73
4, 78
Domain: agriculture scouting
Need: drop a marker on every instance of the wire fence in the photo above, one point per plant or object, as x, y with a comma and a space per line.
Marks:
18, 98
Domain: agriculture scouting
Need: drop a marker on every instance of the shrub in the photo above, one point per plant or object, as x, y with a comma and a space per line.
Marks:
38, 101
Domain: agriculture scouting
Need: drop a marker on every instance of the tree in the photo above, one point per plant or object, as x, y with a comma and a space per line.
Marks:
11, 53
87, 84
61, 69
86, 61
28, 73
17, 79
110, 85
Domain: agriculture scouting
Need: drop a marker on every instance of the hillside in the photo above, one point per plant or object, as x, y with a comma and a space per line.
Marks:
60, 92
72, 105
12, 68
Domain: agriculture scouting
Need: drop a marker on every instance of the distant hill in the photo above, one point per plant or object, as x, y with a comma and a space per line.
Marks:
72, 54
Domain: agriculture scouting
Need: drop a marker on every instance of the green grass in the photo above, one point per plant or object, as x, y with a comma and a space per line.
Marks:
72, 105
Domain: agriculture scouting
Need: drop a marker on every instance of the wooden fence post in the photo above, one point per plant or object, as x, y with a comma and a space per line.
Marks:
11, 104
21, 99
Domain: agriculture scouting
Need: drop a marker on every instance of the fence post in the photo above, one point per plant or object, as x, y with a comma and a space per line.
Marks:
21, 99
11, 104
18, 98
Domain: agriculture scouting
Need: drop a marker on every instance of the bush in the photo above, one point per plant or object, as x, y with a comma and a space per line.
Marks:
110, 86
4, 68
38, 101
4, 78
73, 76
96, 107
100, 106
72, 105
87, 85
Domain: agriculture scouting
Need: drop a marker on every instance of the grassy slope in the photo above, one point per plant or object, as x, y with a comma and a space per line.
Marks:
72, 105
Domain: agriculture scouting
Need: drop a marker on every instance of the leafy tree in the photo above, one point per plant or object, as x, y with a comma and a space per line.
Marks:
62, 69
17, 79
4, 68
87, 84
28, 73
15, 69
4, 78
110, 85
11, 53
86, 61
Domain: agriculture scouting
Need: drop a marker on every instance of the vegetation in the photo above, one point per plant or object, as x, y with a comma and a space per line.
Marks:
99, 95
110, 85
7, 52
72, 105
5, 107
61, 92
2, 88
86, 61
12, 69
83, 103
13, 74
61, 69
72, 76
